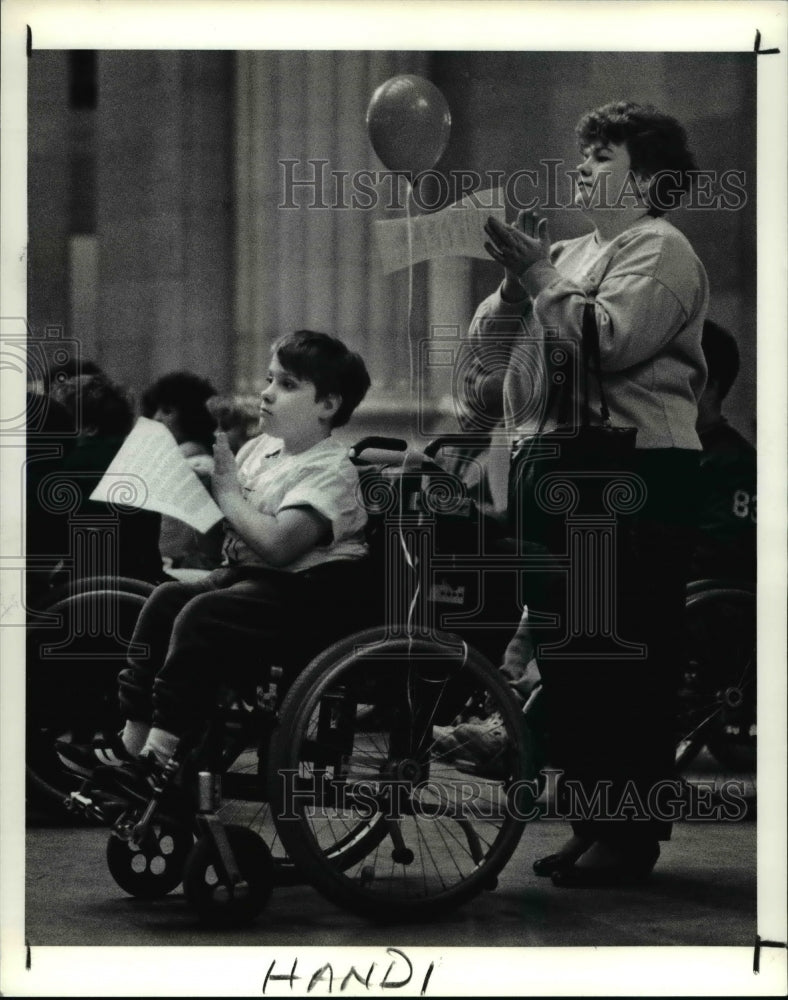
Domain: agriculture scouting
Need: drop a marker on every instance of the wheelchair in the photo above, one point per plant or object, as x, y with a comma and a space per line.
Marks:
717, 698
330, 772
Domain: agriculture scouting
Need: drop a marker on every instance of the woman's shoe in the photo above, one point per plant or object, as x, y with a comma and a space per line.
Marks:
563, 859
631, 867
544, 867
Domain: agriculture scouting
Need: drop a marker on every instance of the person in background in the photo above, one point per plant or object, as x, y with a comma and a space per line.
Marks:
237, 416
179, 401
50, 438
102, 415
726, 548
57, 373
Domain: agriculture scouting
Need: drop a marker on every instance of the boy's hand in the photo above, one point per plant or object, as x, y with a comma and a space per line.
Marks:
224, 481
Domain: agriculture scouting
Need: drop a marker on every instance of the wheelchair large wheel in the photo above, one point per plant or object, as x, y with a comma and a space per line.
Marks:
365, 757
717, 699
72, 690
42, 606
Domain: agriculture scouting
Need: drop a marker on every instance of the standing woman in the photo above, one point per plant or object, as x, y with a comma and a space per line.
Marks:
609, 721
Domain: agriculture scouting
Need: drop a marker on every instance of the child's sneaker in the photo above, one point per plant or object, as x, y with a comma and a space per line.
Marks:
104, 751
137, 778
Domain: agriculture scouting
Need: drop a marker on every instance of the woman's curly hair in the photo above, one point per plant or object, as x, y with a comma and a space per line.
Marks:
656, 142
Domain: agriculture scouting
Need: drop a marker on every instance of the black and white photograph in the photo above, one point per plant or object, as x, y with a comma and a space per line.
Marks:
387, 390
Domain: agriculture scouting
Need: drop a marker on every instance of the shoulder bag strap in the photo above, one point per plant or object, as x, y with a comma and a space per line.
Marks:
592, 362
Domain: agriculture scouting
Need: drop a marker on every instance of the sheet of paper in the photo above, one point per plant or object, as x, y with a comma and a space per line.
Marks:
456, 231
150, 472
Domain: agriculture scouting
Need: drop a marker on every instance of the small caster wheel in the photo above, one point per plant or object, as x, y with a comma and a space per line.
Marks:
218, 903
155, 867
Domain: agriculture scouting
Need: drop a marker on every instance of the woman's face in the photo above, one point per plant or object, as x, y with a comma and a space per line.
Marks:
605, 179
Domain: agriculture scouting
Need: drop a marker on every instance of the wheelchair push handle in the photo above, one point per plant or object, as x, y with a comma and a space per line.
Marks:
376, 448
378, 441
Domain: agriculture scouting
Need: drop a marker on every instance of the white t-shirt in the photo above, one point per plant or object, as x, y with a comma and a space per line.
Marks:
322, 478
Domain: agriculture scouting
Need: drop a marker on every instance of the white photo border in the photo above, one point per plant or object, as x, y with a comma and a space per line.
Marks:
703, 25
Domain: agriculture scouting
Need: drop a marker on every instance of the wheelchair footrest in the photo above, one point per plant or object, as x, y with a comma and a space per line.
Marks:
76, 802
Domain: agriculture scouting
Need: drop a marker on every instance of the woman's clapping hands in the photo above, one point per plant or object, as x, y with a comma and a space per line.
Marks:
520, 245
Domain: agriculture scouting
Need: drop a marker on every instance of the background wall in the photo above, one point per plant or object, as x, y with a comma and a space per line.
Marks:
158, 238
131, 210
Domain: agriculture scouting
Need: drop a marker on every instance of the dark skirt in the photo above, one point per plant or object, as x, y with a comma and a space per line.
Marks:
611, 664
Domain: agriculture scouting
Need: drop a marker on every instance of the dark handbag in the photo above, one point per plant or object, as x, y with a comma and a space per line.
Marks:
564, 472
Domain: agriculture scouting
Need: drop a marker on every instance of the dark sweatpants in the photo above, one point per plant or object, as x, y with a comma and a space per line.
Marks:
230, 628
610, 719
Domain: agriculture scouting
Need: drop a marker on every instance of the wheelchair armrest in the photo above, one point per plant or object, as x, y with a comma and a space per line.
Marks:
378, 456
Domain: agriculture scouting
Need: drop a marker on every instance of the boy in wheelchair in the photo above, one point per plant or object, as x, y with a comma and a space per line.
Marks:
294, 541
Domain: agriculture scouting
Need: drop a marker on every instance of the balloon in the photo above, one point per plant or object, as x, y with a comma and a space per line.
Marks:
408, 122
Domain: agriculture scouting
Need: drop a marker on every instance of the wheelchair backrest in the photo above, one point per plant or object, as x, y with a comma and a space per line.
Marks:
403, 489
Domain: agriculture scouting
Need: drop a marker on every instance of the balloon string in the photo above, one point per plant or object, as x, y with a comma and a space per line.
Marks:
411, 559
411, 359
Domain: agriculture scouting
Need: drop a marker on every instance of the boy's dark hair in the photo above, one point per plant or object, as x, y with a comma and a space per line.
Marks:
722, 356
97, 403
326, 361
657, 145
186, 394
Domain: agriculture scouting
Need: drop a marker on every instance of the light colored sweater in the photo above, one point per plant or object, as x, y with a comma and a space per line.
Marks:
650, 293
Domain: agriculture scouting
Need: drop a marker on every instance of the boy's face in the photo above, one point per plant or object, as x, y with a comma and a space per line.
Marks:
288, 408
